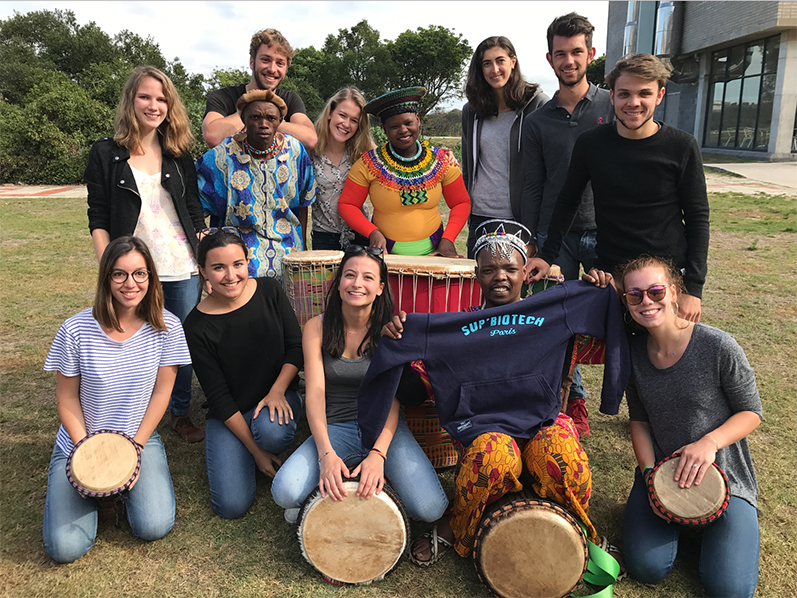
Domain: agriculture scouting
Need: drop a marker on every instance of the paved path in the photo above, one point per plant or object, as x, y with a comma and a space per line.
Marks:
9, 190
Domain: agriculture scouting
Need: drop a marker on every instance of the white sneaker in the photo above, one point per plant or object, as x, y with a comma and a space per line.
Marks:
291, 515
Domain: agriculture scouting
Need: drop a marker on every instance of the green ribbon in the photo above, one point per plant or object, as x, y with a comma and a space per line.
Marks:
602, 570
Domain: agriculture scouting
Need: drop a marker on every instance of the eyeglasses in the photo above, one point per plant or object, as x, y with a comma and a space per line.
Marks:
120, 276
655, 292
215, 229
375, 251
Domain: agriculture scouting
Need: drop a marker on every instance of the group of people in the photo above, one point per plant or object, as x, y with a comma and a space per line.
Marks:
587, 179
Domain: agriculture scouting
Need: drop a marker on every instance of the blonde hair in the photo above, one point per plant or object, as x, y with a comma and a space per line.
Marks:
176, 137
151, 307
361, 141
671, 273
645, 66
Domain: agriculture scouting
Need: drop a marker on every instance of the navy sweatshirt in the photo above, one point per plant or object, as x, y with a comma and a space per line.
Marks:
499, 369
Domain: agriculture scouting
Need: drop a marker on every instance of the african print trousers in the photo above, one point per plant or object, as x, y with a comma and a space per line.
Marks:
492, 464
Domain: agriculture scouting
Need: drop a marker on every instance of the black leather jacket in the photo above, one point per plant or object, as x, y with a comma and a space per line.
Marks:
114, 202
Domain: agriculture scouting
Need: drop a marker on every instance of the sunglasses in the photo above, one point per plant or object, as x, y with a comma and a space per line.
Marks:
375, 251
655, 292
213, 230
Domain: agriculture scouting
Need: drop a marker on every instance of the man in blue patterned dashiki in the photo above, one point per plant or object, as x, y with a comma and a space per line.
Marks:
258, 181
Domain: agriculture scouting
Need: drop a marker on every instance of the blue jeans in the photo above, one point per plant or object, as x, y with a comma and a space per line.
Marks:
180, 297
232, 468
407, 468
578, 248
70, 521
729, 550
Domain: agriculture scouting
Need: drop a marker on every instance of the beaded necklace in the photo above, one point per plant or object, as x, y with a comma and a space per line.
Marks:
410, 177
258, 153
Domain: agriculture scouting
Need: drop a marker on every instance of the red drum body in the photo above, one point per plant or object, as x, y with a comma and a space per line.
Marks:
353, 541
104, 463
432, 284
307, 277
696, 505
527, 546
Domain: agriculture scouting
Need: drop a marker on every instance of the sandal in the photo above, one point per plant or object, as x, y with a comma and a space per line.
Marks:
434, 545
616, 554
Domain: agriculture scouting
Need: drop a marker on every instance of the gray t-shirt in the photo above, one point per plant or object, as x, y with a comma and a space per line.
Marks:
490, 193
711, 381
342, 379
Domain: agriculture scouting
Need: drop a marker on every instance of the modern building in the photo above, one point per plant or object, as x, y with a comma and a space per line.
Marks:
734, 83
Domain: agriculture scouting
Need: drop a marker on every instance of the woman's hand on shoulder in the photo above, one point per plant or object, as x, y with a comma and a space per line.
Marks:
449, 154
695, 460
277, 405
599, 278
330, 481
395, 326
372, 475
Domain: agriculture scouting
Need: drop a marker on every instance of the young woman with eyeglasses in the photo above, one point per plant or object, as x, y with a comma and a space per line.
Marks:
338, 346
246, 345
115, 367
693, 392
143, 182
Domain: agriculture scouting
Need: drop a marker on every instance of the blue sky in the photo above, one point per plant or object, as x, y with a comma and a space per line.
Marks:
208, 35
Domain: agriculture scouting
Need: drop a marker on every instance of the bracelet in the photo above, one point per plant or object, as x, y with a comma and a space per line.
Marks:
378, 452
716, 446
322, 457
646, 472
141, 446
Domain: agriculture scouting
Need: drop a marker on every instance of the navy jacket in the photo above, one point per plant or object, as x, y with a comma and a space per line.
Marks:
114, 202
499, 369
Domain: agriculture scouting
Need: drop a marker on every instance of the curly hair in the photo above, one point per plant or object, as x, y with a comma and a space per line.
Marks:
271, 38
151, 307
175, 130
645, 66
333, 335
517, 91
361, 141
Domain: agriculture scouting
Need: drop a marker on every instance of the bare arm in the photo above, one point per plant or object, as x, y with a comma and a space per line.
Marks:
275, 400
216, 128
100, 239
158, 403
332, 467
67, 398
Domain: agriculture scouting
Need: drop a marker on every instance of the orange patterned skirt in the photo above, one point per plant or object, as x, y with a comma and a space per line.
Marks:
492, 464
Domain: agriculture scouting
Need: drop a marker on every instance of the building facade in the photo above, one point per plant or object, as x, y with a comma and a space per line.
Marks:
734, 83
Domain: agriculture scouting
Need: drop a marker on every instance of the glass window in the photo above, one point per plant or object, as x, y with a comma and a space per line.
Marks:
739, 106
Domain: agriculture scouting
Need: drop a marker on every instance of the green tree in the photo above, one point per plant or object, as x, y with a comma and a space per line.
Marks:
433, 57
596, 71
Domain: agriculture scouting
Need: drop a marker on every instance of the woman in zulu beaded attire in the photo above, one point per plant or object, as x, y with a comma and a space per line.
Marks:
405, 179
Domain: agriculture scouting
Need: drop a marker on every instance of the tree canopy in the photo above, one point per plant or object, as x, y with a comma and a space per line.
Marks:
60, 82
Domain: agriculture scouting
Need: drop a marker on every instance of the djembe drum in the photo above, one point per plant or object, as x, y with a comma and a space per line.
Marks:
103, 464
307, 277
697, 505
432, 284
353, 541
527, 546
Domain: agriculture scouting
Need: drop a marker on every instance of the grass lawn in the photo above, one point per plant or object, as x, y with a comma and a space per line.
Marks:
47, 273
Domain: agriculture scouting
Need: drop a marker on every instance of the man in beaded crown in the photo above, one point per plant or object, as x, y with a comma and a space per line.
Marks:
405, 179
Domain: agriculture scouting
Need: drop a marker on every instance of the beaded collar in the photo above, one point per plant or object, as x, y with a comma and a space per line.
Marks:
258, 153
410, 178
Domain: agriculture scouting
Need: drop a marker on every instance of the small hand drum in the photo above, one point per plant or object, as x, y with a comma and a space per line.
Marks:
697, 505
528, 546
353, 541
104, 463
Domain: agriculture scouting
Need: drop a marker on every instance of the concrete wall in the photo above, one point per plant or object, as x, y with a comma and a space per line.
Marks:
711, 24
618, 12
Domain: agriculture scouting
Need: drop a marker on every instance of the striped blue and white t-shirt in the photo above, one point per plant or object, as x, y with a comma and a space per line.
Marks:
116, 377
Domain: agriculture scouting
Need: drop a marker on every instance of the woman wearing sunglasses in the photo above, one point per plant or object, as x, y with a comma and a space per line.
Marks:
693, 392
247, 347
338, 346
